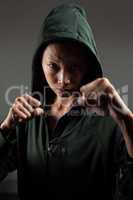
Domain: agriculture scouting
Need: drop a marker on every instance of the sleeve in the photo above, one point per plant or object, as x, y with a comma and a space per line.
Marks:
123, 169
8, 154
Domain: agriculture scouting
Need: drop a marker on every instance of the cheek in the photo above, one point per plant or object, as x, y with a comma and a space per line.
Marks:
50, 77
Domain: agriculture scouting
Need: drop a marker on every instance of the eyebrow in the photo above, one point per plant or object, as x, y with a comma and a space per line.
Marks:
66, 60
51, 57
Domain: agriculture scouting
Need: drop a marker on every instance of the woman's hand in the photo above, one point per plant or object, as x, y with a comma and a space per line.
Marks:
102, 95
24, 108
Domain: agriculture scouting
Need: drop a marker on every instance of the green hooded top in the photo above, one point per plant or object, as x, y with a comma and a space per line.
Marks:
85, 156
65, 22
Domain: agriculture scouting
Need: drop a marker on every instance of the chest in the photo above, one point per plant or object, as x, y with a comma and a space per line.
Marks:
53, 118
75, 158
74, 144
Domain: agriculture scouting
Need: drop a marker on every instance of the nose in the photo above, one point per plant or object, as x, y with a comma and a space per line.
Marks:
63, 79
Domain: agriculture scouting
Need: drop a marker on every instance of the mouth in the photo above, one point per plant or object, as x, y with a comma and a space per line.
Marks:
65, 92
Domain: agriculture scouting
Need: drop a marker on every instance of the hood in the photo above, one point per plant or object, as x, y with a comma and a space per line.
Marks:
65, 22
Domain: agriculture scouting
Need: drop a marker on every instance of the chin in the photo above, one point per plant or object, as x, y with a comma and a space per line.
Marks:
64, 94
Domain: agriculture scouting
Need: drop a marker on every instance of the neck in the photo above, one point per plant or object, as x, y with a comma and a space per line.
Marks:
63, 102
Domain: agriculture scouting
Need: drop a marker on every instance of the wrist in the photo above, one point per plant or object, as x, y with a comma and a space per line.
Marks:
7, 124
8, 134
128, 116
8, 131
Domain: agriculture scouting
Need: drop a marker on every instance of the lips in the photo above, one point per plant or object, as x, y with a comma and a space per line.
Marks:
64, 92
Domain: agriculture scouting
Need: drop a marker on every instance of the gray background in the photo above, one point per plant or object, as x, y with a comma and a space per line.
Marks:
20, 22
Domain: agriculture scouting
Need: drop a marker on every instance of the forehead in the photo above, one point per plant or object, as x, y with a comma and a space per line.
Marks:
65, 51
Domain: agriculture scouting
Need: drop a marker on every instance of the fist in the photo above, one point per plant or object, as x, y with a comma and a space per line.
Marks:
26, 107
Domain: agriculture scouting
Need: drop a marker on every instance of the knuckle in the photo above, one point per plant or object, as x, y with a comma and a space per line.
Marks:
99, 79
18, 99
14, 108
104, 81
19, 105
82, 89
25, 96
110, 90
22, 98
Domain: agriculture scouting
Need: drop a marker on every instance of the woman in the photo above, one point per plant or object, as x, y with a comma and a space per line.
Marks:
74, 133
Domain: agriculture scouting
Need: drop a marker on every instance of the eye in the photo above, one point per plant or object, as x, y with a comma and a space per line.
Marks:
53, 66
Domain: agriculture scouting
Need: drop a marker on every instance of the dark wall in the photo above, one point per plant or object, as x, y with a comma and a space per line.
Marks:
20, 22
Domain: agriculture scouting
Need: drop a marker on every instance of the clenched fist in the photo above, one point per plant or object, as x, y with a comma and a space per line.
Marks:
24, 108
103, 95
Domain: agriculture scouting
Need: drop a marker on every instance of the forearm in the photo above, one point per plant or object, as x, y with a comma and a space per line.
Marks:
8, 123
7, 131
126, 126
7, 154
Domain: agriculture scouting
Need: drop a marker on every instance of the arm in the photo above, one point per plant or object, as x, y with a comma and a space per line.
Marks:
111, 104
22, 110
122, 169
8, 155
126, 125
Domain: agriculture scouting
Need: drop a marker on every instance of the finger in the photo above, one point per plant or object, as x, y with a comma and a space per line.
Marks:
32, 101
81, 100
23, 109
98, 85
88, 100
90, 86
19, 114
26, 104
38, 112
20, 120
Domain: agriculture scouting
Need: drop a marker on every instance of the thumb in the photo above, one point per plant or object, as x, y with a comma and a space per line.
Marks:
81, 100
39, 111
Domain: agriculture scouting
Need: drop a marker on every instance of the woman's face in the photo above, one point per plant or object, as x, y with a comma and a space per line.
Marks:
64, 67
